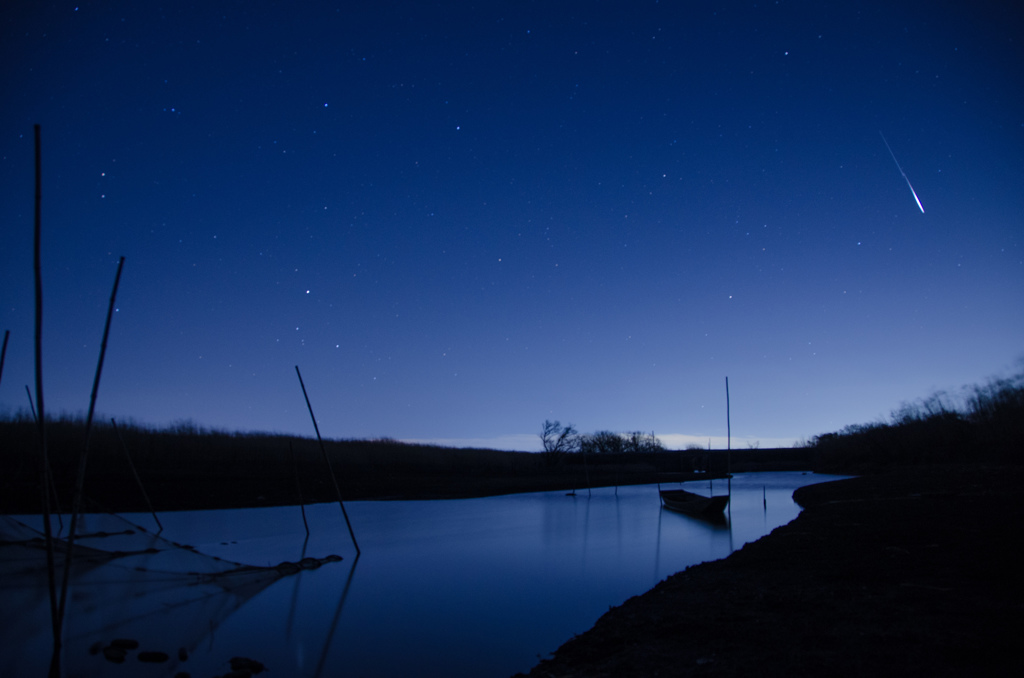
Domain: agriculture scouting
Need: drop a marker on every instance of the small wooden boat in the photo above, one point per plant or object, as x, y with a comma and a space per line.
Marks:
708, 508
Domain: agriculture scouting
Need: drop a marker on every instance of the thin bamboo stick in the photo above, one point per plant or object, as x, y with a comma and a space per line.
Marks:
76, 504
31, 405
44, 461
135, 473
728, 420
330, 469
52, 486
728, 430
3, 352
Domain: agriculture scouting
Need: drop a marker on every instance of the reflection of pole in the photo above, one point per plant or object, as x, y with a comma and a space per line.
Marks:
295, 593
657, 545
337, 617
330, 469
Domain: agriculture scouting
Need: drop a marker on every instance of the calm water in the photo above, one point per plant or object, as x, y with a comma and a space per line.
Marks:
470, 587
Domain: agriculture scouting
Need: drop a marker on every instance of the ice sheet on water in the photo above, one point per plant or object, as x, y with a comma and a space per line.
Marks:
126, 582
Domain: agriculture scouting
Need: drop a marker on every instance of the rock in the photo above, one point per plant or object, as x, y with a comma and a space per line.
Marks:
153, 657
244, 664
287, 568
125, 643
115, 654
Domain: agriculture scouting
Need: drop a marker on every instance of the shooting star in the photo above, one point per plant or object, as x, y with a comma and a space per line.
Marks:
912, 191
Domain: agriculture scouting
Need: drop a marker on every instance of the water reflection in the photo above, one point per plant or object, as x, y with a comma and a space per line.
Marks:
132, 594
470, 587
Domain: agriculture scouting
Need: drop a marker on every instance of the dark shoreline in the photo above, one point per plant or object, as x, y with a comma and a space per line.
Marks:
170, 493
233, 473
906, 572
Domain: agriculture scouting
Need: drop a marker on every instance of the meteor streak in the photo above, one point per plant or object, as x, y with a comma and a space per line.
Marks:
912, 191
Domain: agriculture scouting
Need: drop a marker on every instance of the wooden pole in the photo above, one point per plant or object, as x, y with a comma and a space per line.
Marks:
728, 430
44, 461
3, 352
138, 480
586, 473
298, 487
76, 504
330, 469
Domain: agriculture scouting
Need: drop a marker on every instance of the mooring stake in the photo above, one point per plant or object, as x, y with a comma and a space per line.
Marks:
330, 469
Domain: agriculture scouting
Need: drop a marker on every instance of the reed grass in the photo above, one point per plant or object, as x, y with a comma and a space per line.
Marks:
984, 425
185, 458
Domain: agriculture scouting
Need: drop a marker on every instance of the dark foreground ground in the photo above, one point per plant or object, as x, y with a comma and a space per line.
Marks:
913, 572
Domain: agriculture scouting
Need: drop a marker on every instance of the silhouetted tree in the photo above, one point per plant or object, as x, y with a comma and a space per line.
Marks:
637, 441
602, 442
558, 440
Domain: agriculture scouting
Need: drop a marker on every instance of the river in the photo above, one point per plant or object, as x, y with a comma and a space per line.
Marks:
467, 587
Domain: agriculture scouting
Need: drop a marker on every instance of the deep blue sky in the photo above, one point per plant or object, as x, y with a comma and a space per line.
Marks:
461, 219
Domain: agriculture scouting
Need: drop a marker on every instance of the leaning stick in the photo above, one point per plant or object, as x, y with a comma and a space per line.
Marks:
3, 352
31, 405
330, 469
80, 480
135, 473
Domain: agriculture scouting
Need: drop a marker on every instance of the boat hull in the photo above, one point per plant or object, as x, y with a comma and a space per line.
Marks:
695, 505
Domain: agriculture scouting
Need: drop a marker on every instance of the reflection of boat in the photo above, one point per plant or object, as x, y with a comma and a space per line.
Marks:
707, 508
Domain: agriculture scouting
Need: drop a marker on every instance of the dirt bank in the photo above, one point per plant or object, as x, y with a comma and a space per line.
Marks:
910, 572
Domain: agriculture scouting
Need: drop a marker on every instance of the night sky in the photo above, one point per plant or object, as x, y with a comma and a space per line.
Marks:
463, 218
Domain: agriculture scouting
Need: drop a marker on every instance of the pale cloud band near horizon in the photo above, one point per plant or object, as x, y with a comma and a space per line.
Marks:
526, 442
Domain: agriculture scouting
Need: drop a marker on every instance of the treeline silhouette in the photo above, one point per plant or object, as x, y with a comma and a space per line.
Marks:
187, 466
984, 425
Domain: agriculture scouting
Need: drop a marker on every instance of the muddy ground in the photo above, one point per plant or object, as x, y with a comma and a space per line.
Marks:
912, 572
